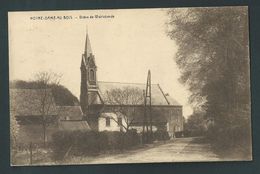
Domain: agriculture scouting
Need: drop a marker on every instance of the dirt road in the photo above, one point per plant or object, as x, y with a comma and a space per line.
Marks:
179, 150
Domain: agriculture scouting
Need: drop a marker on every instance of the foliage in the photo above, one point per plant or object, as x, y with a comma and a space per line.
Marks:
14, 133
234, 142
14, 129
63, 97
195, 125
46, 79
84, 143
213, 56
161, 135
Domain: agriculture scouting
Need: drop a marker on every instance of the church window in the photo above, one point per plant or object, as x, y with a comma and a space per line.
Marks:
107, 122
92, 75
119, 121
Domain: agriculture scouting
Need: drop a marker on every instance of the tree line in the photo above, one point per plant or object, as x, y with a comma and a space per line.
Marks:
213, 57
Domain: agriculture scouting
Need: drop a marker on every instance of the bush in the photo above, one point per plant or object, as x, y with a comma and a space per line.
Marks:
131, 139
231, 141
188, 133
161, 135
62, 141
147, 137
179, 134
85, 143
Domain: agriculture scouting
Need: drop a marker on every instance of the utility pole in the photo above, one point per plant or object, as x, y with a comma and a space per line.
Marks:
147, 106
149, 98
145, 122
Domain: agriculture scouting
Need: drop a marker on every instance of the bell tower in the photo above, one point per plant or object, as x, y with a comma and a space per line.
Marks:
88, 86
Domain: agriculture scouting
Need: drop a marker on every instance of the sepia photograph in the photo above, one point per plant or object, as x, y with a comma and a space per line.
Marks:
154, 85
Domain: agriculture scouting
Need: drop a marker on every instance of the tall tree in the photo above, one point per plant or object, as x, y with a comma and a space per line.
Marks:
213, 56
45, 80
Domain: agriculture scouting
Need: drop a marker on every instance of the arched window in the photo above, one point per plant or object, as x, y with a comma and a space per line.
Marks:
92, 75
119, 121
107, 121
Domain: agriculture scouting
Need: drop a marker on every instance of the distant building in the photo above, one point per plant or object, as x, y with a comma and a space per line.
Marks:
71, 118
26, 105
29, 105
70, 113
166, 111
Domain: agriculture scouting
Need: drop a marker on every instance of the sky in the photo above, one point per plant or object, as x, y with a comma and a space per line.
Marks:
126, 45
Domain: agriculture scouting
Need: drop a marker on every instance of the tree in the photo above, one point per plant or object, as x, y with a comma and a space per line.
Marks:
45, 80
14, 133
125, 101
195, 124
48, 83
213, 56
14, 128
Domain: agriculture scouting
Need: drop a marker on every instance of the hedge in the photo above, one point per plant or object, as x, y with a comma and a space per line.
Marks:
85, 143
161, 135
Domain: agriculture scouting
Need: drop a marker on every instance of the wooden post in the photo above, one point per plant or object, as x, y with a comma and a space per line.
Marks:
144, 120
141, 139
31, 154
147, 109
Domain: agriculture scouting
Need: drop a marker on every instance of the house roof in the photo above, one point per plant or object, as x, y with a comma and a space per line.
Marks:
29, 102
74, 125
74, 112
109, 114
172, 101
158, 96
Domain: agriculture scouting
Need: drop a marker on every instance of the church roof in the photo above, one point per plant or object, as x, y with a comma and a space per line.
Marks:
28, 102
158, 96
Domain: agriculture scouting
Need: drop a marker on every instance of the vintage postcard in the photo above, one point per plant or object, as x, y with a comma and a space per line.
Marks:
129, 86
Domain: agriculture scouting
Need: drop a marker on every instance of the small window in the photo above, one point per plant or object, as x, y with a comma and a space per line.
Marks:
107, 122
119, 121
92, 75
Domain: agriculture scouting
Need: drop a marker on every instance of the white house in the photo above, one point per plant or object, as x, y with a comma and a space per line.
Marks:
111, 122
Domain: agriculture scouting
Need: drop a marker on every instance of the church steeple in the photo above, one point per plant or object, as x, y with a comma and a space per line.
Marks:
88, 50
88, 87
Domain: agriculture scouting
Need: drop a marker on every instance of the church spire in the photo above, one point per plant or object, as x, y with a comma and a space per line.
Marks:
88, 49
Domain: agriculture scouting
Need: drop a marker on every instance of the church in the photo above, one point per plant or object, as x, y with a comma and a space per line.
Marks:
115, 106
